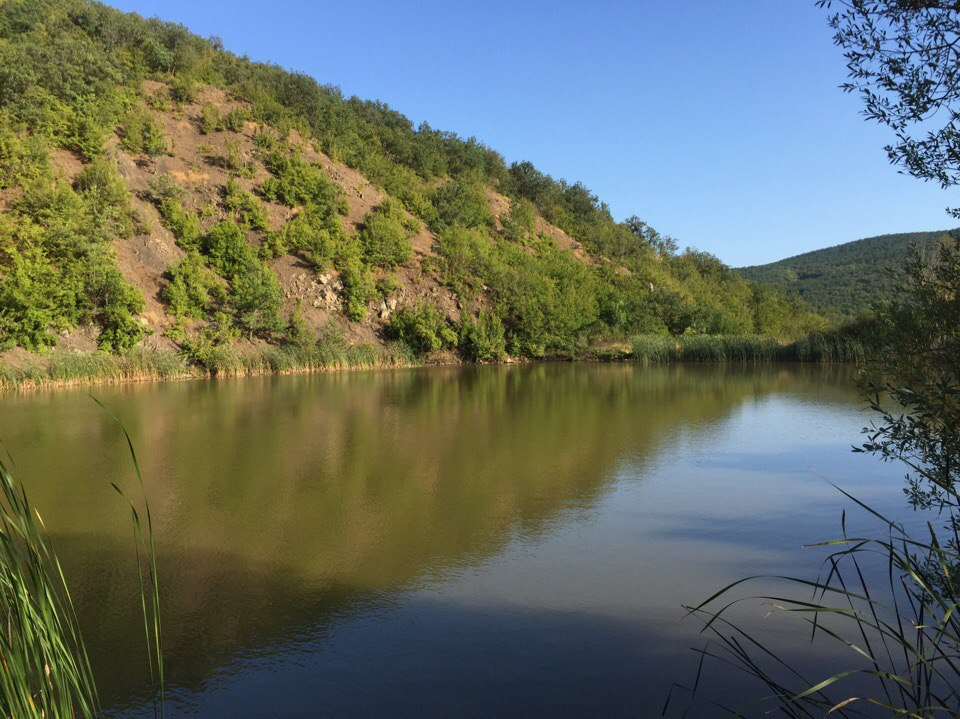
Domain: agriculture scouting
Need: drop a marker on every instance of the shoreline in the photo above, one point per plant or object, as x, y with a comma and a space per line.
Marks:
92, 368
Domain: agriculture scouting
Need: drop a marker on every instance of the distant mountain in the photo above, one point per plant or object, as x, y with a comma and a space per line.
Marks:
849, 278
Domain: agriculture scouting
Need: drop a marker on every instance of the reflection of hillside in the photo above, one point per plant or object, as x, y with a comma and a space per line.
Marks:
285, 502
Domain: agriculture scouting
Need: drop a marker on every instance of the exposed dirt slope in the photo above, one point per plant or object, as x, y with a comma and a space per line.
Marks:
200, 164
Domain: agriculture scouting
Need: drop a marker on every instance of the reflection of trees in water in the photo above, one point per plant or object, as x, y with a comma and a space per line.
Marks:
284, 502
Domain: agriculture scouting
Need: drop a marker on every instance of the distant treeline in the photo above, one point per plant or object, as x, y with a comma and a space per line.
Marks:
849, 279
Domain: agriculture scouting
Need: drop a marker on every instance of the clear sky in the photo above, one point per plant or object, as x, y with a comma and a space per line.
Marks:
719, 123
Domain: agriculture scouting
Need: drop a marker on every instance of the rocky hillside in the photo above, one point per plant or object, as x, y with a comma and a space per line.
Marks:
158, 191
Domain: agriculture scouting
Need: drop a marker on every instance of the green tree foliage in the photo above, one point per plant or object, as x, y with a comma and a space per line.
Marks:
423, 328
385, 237
461, 202
358, 284
140, 133
227, 250
56, 265
184, 225
257, 299
296, 182
253, 297
71, 74
315, 233
244, 207
193, 290
32, 300
483, 339
904, 62
546, 299
520, 222
849, 279
916, 365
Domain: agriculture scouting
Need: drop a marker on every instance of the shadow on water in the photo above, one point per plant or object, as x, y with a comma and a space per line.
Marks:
306, 523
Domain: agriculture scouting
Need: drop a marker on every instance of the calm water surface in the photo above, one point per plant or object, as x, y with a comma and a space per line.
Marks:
483, 541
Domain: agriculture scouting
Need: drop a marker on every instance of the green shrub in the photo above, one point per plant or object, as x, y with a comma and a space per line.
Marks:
234, 159
483, 340
101, 187
358, 285
34, 304
114, 303
85, 134
298, 333
209, 118
316, 234
234, 120
296, 182
244, 207
423, 328
140, 133
462, 202
163, 187
193, 289
257, 300
184, 225
520, 221
384, 239
183, 89
228, 251
386, 286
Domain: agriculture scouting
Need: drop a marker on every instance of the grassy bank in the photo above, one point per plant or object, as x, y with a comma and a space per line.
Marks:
73, 368
76, 368
818, 347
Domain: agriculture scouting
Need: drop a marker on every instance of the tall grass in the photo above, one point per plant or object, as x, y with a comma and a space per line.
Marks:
228, 361
44, 667
65, 368
901, 635
817, 347
80, 367
826, 347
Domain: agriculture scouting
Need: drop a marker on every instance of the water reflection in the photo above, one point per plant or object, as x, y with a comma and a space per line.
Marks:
417, 541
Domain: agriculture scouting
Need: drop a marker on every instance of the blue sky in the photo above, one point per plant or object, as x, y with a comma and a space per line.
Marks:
719, 123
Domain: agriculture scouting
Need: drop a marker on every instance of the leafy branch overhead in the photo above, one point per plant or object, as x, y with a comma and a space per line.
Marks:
903, 59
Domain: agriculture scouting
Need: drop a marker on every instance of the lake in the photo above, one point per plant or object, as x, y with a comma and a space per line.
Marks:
509, 541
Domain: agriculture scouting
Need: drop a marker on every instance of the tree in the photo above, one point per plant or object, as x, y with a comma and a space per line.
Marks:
917, 365
903, 58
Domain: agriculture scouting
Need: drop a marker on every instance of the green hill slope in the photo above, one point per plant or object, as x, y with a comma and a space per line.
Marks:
158, 190
846, 279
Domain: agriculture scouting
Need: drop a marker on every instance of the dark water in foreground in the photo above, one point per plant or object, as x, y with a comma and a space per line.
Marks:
489, 541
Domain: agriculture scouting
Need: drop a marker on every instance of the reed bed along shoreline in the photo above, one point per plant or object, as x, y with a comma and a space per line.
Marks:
62, 369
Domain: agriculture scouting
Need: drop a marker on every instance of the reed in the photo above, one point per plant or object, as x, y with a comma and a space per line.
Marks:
44, 667
64, 368
71, 368
825, 347
320, 356
901, 634
654, 349
45, 671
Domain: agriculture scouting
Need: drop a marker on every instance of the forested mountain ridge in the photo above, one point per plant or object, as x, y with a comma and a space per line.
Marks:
157, 190
850, 278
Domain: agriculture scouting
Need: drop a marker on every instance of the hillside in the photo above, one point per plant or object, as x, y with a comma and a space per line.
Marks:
847, 279
158, 191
